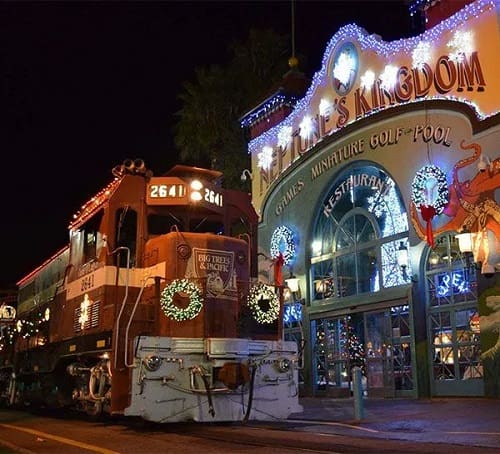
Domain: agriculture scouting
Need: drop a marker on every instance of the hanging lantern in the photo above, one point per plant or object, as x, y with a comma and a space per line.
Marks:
464, 240
430, 194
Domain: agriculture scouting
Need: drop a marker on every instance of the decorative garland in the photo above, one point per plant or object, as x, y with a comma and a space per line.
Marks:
175, 312
429, 192
262, 292
283, 235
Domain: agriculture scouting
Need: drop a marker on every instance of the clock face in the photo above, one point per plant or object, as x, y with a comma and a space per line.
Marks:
344, 68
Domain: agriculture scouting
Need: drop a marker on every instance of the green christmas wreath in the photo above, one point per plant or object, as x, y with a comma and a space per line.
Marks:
175, 312
260, 293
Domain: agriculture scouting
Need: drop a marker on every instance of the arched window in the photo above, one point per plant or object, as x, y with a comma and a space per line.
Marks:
361, 224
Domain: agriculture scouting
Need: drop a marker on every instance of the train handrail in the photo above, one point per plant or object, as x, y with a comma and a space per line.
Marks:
125, 297
132, 316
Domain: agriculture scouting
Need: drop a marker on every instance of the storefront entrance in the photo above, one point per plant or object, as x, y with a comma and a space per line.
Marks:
379, 342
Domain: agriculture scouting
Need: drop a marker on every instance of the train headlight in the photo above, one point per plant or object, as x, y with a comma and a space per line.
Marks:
284, 365
152, 363
196, 187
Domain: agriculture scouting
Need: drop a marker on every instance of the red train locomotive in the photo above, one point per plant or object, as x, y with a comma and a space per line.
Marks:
153, 310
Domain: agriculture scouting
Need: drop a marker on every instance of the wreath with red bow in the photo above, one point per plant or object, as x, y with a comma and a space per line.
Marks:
430, 194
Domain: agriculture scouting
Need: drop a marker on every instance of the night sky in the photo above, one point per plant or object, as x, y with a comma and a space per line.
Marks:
86, 85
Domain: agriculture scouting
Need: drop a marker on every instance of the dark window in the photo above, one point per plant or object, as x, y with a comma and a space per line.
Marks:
126, 234
89, 237
159, 224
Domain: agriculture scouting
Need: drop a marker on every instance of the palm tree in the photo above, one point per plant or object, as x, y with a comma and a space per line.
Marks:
208, 131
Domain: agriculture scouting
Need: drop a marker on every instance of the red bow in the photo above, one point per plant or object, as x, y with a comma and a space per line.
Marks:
428, 212
278, 272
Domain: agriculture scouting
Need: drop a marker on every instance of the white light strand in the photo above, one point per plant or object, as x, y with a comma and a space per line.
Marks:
461, 45
265, 158
325, 107
306, 127
343, 67
385, 50
421, 54
284, 136
367, 79
389, 77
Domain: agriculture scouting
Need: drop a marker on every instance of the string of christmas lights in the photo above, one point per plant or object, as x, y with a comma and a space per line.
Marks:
92, 205
268, 107
23, 328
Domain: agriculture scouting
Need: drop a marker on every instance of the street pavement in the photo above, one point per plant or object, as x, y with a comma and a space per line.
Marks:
458, 421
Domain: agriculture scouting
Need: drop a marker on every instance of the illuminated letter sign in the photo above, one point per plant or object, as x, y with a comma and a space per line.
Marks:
455, 282
207, 195
292, 313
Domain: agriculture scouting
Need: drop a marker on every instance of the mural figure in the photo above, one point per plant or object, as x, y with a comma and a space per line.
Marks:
491, 322
471, 205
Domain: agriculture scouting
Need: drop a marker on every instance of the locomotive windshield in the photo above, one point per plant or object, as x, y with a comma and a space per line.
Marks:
161, 223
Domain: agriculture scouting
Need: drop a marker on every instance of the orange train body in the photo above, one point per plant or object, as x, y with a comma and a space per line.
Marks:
145, 312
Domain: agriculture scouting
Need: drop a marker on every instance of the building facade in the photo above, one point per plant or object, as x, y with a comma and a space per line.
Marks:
362, 191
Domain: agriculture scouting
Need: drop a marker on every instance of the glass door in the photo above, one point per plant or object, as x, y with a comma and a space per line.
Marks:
379, 342
338, 347
402, 351
379, 354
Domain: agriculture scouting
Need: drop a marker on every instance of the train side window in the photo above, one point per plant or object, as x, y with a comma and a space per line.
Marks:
89, 237
126, 234
89, 246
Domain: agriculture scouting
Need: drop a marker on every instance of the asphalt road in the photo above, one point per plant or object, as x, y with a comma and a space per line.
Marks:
45, 433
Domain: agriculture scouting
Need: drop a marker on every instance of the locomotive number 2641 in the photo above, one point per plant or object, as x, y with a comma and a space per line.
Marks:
166, 190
